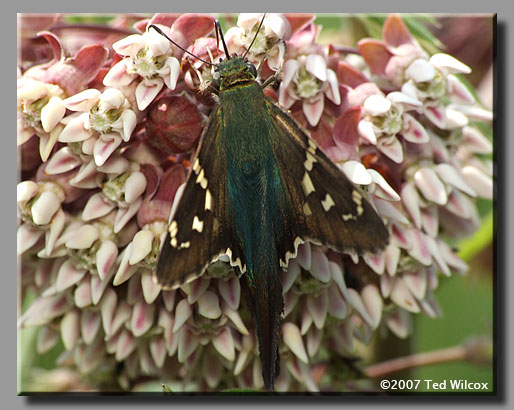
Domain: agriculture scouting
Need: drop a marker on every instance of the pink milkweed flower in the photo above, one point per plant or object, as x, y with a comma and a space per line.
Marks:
147, 55
309, 80
106, 117
275, 28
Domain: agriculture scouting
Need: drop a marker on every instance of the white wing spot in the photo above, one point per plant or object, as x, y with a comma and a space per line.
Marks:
185, 245
197, 224
360, 210
312, 146
199, 178
307, 185
174, 242
328, 202
309, 161
357, 197
290, 255
196, 165
203, 183
173, 229
347, 217
306, 209
208, 200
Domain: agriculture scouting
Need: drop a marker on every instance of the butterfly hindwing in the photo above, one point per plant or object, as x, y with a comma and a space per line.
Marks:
324, 206
200, 229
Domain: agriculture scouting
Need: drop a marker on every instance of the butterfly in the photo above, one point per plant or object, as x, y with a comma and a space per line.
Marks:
259, 187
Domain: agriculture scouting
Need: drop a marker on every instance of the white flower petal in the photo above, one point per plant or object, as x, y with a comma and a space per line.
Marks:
96, 207
449, 63
129, 120
105, 258
134, 186
293, 340
26, 190
68, 275
150, 288
377, 105
420, 71
118, 76
52, 113
385, 191
313, 109
83, 101
83, 238
224, 344
62, 161
481, 183
141, 246
129, 46
173, 65
430, 186
357, 173
183, 312
451, 176
45, 207
317, 66
365, 129
208, 305
104, 147
74, 130
332, 92
26, 237
146, 91
111, 98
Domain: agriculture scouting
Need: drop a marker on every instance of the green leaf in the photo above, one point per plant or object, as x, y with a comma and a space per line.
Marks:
479, 241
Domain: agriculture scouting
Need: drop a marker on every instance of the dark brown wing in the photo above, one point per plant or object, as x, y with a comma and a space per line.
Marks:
200, 230
327, 209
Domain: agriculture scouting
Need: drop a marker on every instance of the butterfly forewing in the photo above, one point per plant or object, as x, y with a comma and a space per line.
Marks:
200, 229
324, 206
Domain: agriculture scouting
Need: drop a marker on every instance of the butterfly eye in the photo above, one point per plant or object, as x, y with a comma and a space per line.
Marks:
216, 79
252, 69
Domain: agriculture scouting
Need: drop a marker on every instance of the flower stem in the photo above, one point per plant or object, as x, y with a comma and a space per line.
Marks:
477, 350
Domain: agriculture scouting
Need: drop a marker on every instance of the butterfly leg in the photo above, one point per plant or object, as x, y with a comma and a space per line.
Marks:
272, 79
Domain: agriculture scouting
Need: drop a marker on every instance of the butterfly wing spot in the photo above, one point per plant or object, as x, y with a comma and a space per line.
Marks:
312, 146
360, 210
328, 202
197, 224
173, 229
347, 217
306, 209
200, 176
185, 245
357, 197
208, 200
196, 166
173, 242
291, 255
307, 185
309, 161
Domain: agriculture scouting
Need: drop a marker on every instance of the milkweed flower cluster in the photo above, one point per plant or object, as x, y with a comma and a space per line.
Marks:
106, 139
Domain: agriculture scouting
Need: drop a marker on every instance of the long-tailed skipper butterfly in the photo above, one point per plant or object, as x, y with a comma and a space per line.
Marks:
258, 187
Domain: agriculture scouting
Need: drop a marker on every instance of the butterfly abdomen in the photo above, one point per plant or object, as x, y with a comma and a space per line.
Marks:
255, 198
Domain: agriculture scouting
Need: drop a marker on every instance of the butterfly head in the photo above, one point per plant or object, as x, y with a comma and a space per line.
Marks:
233, 71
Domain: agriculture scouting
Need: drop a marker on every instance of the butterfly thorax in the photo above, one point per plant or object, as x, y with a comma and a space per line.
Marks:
233, 72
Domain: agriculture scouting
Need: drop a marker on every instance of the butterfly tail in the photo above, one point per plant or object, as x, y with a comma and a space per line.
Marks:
266, 304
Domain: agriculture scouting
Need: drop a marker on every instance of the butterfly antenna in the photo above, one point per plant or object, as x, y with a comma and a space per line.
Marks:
255, 37
162, 33
219, 34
